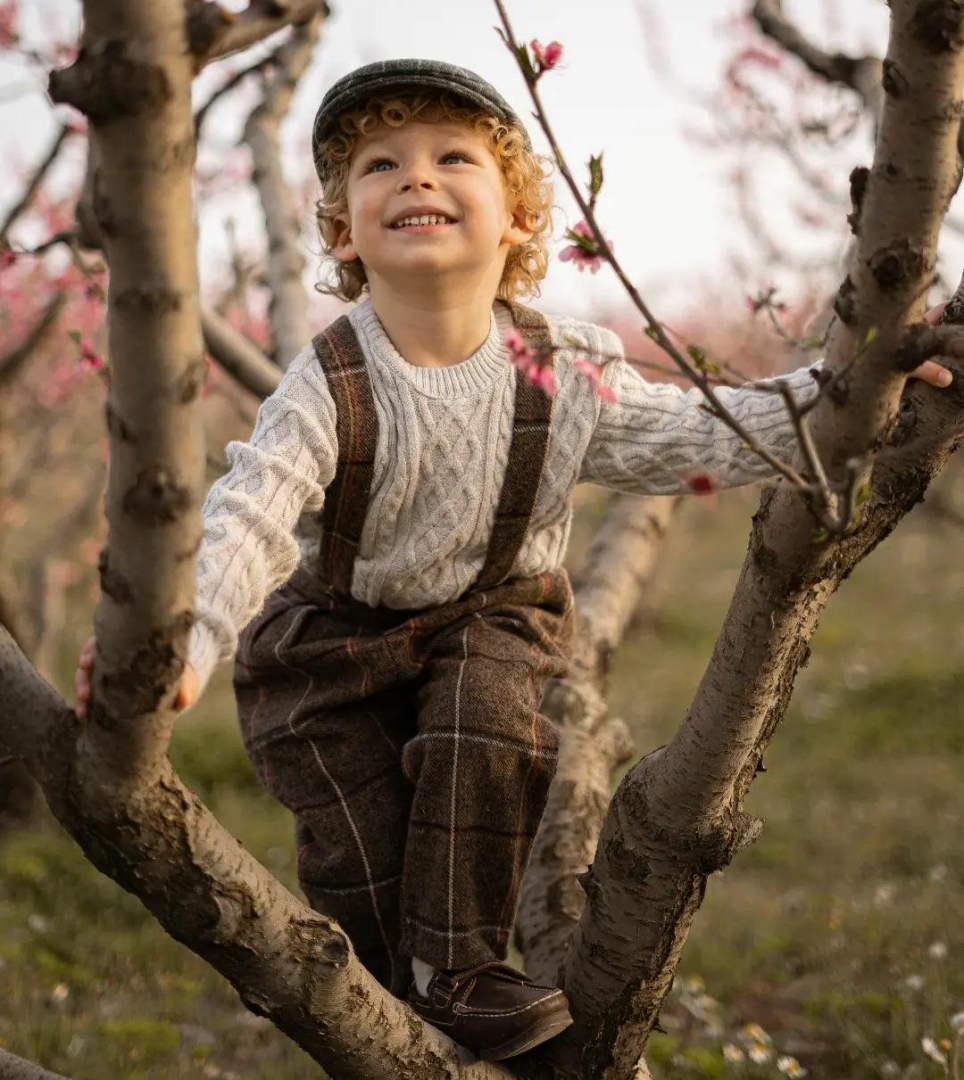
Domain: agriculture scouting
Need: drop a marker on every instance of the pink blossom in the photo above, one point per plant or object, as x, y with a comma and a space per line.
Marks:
547, 56
701, 483
594, 374
90, 358
9, 36
530, 362
585, 252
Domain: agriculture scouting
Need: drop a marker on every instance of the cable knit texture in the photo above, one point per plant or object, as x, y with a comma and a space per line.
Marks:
443, 445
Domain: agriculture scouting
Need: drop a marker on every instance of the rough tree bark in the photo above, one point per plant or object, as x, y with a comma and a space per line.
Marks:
288, 307
678, 814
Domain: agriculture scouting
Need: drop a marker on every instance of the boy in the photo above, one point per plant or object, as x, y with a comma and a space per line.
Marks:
385, 553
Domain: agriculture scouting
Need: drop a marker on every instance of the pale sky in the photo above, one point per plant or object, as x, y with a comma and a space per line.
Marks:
664, 202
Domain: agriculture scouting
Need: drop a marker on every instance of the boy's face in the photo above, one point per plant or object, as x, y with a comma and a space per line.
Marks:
412, 171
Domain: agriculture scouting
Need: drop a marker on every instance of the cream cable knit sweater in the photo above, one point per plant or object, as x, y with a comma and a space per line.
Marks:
443, 443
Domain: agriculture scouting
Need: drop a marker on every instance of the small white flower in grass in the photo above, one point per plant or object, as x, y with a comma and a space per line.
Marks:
755, 1033
890, 1068
60, 992
937, 873
933, 1051
914, 982
732, 1053
957, 1023
885, 893
790, 1066
937, 950
760, 1053
38, 923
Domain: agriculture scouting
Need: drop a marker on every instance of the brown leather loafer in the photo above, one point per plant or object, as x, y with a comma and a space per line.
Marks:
492, 1009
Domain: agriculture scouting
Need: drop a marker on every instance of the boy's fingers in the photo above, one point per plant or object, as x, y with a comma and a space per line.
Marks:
934, 314
933, 373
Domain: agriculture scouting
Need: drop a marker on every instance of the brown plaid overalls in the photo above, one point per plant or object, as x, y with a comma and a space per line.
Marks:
409, 744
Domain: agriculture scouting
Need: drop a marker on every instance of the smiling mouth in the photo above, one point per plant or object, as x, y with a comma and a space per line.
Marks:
421, 223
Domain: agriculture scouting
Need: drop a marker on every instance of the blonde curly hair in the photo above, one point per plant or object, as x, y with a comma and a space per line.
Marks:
525, 173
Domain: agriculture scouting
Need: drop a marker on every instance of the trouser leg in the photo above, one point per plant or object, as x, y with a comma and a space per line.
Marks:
481, 764
340, 773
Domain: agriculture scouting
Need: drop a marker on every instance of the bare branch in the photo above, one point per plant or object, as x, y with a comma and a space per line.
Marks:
619, 566
33, 184
14, 360
288, 307
261, 66
16, 1068
239, 357
215, 32
861, 74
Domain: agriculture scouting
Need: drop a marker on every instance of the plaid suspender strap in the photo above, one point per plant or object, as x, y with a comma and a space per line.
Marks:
356, 428
527, 455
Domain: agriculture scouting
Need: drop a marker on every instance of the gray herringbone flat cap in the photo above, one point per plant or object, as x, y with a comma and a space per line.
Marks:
355, 88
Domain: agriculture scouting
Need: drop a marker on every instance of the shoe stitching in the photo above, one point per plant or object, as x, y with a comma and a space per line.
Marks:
468, 1010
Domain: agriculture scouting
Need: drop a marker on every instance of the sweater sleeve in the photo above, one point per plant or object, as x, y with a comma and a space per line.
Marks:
656, 436
248, 548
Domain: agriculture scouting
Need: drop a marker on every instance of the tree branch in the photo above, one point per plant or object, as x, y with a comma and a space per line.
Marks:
16, 1068
619, 566
215, 32
33, 184
14, 360
678, 816
288, 306
239, 357
862, 74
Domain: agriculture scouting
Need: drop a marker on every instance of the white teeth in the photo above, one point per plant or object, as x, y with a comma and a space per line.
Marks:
425, 219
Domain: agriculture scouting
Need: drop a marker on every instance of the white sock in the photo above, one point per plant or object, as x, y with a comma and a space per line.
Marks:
423, 973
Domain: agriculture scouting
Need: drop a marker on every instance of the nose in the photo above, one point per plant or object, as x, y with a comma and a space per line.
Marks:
417, 174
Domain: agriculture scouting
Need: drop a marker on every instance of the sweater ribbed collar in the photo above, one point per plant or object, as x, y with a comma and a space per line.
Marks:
470, 376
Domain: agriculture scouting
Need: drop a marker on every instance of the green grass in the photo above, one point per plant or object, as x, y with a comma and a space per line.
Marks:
813, 933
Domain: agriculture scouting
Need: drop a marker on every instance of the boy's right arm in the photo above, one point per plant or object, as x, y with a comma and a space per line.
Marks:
248, 548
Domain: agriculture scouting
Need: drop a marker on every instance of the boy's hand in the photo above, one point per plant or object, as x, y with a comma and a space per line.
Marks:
187, 694
931, 372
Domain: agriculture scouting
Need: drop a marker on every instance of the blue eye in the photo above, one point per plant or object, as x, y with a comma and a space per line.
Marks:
373, 166
456, 154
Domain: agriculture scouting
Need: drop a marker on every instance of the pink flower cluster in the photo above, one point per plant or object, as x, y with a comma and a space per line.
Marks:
594, 374
546, 56
531, 362
585, 252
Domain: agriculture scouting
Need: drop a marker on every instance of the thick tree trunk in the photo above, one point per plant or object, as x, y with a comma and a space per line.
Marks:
678, 815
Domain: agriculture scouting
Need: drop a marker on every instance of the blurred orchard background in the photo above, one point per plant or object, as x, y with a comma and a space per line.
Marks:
833, 947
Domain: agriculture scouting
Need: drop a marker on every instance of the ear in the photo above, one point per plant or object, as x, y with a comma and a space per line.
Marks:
517, 231
343, 248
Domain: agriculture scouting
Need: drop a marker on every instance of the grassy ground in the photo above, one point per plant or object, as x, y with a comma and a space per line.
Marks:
840, 934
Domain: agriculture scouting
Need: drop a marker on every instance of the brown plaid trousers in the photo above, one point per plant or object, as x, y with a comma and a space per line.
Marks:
409, 744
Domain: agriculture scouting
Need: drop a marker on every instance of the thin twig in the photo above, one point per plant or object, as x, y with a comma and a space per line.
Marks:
603, 249
33, 184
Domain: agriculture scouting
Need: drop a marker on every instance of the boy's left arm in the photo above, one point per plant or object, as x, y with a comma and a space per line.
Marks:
658, 439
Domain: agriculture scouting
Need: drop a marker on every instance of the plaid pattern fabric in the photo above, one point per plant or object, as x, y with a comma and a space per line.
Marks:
411, 749
356, 426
